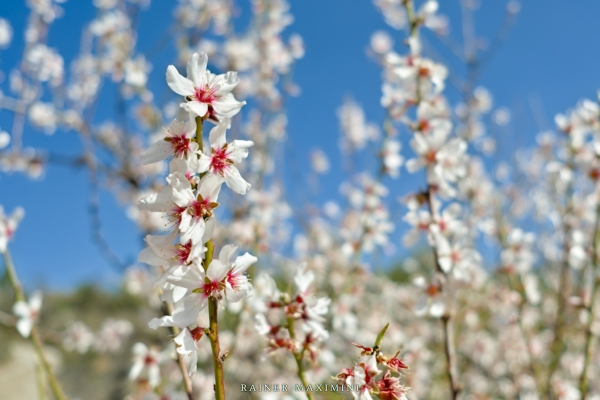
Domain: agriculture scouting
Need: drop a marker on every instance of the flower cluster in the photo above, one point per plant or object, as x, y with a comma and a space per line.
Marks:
365, 379
192, 278
281, 314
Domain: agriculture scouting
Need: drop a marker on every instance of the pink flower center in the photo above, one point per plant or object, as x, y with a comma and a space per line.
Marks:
210, 288
206, 94
455, 256
180, 144
219, 161
235, 280
442, 225
175, 214
199, 209
183, 252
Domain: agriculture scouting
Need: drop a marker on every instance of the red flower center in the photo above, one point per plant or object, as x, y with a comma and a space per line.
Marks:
179, 143
210, 288
199, 209
149, 360
183, 252
219, 161
205, 95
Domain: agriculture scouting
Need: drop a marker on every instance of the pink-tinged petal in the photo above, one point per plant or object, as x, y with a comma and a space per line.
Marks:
217, 137
216, 271
195, 107
243, 262
180, 85
159, 151
234, 180
196, 68
226, 253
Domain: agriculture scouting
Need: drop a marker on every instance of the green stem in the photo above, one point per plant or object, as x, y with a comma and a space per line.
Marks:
414, 23
299, 355
213, 332
35, 337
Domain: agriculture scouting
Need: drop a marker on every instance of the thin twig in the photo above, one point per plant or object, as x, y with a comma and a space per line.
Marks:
299, 356
35, 338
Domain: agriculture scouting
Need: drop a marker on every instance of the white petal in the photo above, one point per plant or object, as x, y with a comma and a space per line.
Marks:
210, 186
243, 262
194, 106
437, 308
226, 253
196, 68
24, 326
234, 180
156, 152
217, 137
217, 271
178, 83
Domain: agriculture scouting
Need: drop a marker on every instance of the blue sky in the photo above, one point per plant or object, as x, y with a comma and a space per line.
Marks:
551, 55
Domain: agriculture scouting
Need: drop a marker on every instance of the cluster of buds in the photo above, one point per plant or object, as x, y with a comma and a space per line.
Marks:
365, 377
281, 314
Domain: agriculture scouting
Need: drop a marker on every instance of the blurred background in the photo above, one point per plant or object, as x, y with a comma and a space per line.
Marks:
80, 238
547, 62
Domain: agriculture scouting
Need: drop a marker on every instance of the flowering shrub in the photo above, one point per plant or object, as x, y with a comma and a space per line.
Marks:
241, 293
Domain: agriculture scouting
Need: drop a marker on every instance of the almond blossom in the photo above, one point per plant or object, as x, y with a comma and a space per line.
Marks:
178, 142
8, 226
146, 360
223, 278
224, 156
207, 95
28, 313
